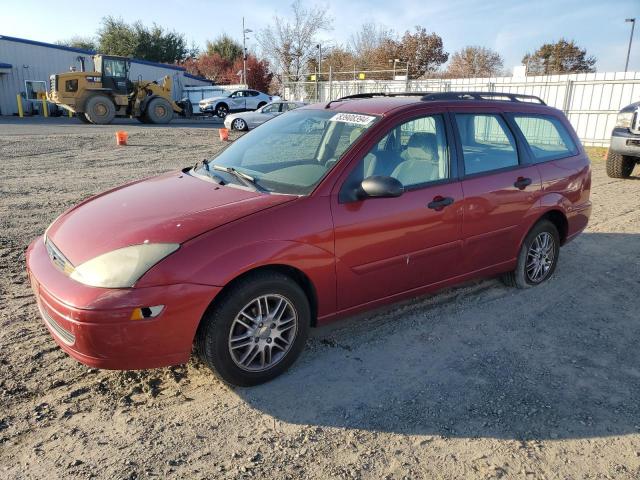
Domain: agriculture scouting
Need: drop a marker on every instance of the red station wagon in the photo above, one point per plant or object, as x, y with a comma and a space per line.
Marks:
323, 212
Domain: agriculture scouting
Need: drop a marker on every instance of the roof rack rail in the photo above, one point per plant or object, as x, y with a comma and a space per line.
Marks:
510, 97
384, 94
376, 94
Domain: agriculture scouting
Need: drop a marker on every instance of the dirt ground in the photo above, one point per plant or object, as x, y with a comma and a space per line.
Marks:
480, 381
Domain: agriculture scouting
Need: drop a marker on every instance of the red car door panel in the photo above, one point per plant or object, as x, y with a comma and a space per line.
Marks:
388, 245
495, 213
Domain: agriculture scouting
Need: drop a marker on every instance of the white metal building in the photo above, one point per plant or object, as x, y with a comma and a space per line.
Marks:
25, 67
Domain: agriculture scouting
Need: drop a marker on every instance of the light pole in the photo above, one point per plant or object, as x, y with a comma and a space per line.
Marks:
244, 52
319, 47
633, 25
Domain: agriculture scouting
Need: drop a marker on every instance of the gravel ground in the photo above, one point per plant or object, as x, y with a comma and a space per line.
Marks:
480, 381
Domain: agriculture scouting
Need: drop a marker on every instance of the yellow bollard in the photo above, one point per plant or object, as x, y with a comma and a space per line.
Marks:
45, 109
70, 113
20, 110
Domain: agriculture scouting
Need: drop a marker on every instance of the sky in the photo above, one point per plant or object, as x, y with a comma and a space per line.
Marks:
512, 28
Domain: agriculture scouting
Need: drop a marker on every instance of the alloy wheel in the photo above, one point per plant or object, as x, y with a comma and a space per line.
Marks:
540, 257
263, 332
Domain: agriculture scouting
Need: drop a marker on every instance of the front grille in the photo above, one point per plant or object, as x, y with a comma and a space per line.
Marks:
53, 84
635, 121
64, 335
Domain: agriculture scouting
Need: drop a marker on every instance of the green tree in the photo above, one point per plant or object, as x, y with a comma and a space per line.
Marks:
560, 57
226, 47
116, 37
83, 43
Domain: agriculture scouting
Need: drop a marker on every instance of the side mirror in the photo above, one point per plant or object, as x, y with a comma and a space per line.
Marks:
379, 186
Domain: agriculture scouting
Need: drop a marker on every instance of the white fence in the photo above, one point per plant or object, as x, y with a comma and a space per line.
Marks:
590, 100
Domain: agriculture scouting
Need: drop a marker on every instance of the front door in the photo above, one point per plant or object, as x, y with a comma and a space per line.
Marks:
501, 189
237, 101
385, 246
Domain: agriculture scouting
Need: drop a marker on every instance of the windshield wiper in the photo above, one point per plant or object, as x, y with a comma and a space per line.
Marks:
245, 179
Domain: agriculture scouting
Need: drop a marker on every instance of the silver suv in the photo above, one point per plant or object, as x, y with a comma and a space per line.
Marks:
624, 151
238, 101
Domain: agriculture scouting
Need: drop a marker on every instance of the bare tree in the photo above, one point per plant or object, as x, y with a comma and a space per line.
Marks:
367, 42
291, 43
474, 61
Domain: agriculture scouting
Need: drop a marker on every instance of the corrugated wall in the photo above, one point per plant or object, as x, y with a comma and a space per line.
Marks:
37, 62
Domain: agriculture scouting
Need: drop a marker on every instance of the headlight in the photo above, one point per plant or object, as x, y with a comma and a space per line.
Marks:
624, 120
123, 267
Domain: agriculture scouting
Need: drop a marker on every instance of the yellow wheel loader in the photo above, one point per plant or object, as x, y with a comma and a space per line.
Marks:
100, 96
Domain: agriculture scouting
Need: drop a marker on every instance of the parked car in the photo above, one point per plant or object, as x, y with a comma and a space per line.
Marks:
624, 150
291, 227
249, 120
238, 101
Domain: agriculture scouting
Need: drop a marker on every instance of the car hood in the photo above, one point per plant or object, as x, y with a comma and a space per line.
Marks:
170, 208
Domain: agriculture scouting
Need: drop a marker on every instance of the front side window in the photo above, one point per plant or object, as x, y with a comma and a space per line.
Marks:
546, 135
487, 142
292, 153
271, 108
414, 153
114, 68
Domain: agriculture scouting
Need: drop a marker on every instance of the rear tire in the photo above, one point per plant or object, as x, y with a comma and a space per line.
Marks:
526, 274
100, 109
226, 334
159, 110
619, 166
261, 104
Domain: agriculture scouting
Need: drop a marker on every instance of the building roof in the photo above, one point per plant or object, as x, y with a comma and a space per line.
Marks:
196, 77
86, 52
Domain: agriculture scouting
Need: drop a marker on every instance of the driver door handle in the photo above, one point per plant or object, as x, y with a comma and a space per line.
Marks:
522, 183
439, 202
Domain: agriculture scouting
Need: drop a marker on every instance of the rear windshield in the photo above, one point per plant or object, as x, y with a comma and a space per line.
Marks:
293, 152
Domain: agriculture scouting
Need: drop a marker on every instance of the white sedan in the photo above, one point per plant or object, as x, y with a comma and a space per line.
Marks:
248, 120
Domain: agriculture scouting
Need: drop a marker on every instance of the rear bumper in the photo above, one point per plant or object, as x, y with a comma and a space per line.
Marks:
94, 326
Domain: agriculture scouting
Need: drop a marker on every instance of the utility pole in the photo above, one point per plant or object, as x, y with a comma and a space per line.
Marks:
244, 52
633, 25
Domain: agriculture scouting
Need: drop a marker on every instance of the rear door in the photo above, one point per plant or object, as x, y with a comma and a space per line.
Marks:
501, 188
386, 246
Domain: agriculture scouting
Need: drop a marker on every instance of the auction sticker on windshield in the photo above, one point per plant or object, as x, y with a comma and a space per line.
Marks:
355, 118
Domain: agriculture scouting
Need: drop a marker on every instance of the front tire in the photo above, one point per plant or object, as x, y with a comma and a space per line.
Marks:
159, 111
255, 330
222, 109
100, 110
538, 257
239, 124
619, 166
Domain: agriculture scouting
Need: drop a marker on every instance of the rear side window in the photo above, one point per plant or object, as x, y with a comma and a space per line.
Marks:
547, 137
487, 142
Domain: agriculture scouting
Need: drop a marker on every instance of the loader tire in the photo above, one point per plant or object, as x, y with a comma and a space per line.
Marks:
619, 166
100, 110
159, 110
